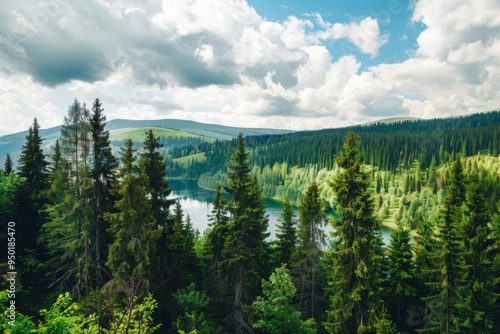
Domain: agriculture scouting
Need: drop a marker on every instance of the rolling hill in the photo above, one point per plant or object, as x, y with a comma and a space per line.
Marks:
120, 129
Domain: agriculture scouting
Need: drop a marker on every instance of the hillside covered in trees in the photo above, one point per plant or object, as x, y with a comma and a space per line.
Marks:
102, 247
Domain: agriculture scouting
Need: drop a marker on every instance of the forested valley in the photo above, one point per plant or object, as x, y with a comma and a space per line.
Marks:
103, 247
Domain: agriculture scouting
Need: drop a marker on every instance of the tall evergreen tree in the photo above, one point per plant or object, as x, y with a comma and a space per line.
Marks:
70, 230
448, 307
166, 261
32, 163
311, 238
102, 167
480, 251
75, 141
245, 247
214, 246
402, 286
31, 199
153, 166
8, 166
133, 227
286, 233
355, 299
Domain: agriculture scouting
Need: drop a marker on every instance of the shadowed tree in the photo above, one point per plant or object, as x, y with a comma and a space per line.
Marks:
310, 239
356, 268
8, 166
286, 233
244, 249
133, 227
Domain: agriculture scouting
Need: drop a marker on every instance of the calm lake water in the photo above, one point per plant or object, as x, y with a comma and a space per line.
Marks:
197, 202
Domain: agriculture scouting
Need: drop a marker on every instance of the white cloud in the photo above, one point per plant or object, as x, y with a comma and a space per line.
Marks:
222, 62
364, 34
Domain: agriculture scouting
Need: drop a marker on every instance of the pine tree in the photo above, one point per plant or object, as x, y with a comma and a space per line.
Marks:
166, 261
311, 238
447, 307
31, 199
244, 251
355, 298
133, 228
75, 141
153, 166
479, 250
402, 289
32, 164
70, 230
286, 233
180, 247
277, 315
8, 166
102, 167
214, 246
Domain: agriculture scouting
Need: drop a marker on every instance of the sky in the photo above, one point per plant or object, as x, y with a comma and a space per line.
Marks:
289, 64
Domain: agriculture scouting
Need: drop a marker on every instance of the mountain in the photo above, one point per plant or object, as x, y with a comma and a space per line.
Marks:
120, 128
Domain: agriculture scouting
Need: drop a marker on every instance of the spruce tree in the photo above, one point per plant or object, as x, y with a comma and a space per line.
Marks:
401, 283
448, 307
286, 233
133, 228
75, 141
244, 261
355, 299
31, 199
8, 166
182, 264
311, 238
214, 246
153, 166
102, 167
32, 163
480, 251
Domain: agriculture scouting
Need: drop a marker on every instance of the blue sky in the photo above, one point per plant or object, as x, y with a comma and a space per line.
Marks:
280, 64
394, 18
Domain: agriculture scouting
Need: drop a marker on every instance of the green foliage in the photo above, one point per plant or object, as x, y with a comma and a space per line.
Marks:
62, 317
133, 226
447, 307
152, 165
355, 278
275, 310
135, 318
193, 318
8, 166
32, 162
286, 233
384, 324
311, 239
8, 187
402, 290
244, 252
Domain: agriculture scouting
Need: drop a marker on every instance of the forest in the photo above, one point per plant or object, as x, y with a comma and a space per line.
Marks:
101, 246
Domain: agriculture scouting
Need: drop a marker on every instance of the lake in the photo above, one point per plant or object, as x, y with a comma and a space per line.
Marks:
197, 202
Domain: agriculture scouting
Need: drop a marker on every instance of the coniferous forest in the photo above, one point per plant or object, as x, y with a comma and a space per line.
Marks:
103, 247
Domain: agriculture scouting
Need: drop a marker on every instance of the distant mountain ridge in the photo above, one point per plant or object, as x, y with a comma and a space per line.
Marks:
13, 143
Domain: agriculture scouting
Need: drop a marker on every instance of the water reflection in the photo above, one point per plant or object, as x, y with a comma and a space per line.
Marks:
197, 202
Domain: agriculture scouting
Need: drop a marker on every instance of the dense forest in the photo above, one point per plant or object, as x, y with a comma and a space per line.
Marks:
102, 247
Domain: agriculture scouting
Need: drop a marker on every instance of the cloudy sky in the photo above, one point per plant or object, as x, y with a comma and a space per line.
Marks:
285, 64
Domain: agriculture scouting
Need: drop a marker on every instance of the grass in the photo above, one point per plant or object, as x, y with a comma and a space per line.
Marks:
140, 133
198, 157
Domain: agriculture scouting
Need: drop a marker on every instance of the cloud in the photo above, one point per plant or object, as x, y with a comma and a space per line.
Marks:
364, 34
223, 62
